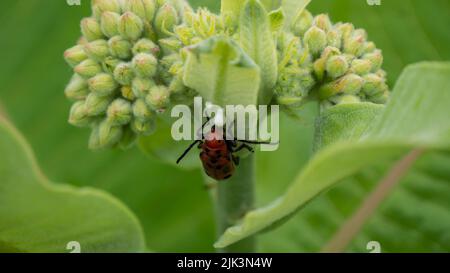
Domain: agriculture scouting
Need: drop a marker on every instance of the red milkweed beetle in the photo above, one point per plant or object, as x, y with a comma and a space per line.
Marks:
218, 154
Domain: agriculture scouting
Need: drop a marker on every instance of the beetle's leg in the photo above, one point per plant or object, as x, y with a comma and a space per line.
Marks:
244, 146
236, 160
200, 132
256, 142
187, 150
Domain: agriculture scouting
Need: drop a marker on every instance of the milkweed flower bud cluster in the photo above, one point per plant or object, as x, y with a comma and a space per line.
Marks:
335, 63
129, 64
126, 68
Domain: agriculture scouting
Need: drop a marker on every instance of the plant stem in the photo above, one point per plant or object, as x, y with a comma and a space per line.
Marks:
233, 199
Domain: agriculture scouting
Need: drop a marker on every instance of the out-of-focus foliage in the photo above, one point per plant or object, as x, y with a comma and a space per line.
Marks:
389, 134
171, 204
40, 216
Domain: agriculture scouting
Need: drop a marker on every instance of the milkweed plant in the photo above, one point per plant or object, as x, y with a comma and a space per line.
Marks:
138, 58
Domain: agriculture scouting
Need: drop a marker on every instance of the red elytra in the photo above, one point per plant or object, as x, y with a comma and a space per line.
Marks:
218, 155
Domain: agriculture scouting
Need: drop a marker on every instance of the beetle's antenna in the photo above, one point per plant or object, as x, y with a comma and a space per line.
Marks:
257, 142
187, 150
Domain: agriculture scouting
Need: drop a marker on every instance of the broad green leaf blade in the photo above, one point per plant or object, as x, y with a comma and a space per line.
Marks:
222, 73
333, 126
419, 113
276, 20
256, 39
39, 216
231, 9
271, 4
413, 218
382, 144
292, 9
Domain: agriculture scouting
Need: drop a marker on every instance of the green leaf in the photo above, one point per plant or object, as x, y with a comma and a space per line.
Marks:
231, 9
256, 39
39, 216
232, 77
413, 218
271, 4
276, 19
416, 117
292, 9
333, 126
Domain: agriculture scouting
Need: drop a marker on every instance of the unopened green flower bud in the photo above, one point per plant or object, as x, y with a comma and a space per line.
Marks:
141, 86
90, 28
376, 58
346, 30
323, 22
93, 138
373, 85
78, 115
96, 104
320, 64
101, 6
102, 84
82, 41
77, 89
361, 67
141, 110
354, 45
108, 134
120, 47
124, 74
127, 93
119, 112
166, 19
145, 65
177, 85
381, 98
361, 32
75, 55
128, 138
88, 68
170, 45
110, 64
130, 26
345, 99
142, 8
158, 98
350, 84
149, 32
143, 128
146, 46
369, 47
185, 34
381, 73
109, 23
336, 66
316, 39
334, 38
293, 85
97, 50
303, 23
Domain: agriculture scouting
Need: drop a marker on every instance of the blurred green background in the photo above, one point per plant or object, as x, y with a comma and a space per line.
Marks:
172, 204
